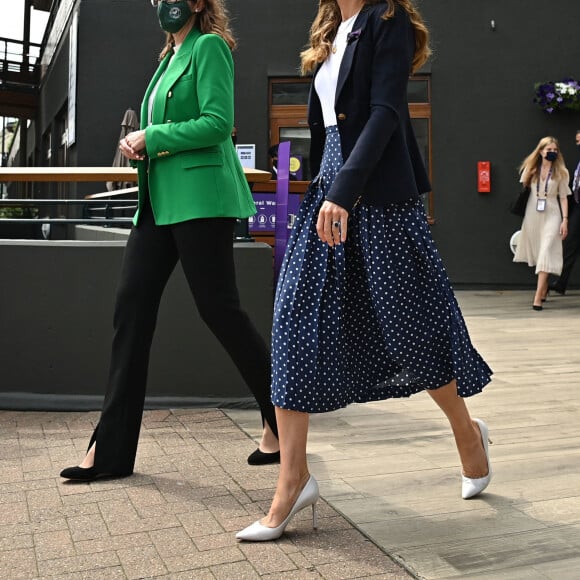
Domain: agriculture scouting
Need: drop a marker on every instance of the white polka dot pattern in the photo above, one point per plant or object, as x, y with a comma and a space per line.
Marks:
372, 319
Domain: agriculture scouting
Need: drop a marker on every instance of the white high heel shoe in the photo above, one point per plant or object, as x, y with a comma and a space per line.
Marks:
260, 533
472, 487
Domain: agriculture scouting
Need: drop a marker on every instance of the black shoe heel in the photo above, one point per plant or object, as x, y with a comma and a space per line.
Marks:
260, 458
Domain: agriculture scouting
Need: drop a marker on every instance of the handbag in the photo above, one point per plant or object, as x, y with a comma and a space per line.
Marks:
518, 205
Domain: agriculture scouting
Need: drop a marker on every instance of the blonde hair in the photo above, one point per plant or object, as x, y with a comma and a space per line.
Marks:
214, 19
326, 24
531, 164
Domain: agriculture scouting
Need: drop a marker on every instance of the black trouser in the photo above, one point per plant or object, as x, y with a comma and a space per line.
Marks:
205, 249
571, 245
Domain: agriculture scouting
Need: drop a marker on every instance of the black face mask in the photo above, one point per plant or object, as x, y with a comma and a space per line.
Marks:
578, 145
551, 156
172, 17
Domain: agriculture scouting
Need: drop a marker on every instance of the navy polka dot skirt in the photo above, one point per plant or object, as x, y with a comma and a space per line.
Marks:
371, 319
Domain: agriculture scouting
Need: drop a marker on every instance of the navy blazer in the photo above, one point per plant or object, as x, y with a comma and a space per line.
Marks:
382, 162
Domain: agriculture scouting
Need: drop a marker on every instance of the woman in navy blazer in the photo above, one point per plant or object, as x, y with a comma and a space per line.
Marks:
382, 160
364, 310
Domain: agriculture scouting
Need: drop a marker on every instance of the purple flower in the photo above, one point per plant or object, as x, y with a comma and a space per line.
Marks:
555, 96
352, 36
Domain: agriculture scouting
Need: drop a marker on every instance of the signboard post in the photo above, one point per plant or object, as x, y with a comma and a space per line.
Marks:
281, 228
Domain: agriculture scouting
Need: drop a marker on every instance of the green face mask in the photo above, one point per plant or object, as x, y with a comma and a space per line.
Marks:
172, 17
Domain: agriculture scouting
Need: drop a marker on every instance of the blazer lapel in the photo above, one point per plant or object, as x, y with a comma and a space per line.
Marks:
182, 59
346, 63
179, 63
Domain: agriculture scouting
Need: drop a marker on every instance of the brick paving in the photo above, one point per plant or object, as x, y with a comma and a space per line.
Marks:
174, 518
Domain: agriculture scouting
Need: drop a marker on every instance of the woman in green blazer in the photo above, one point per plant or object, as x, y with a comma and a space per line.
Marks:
191, 190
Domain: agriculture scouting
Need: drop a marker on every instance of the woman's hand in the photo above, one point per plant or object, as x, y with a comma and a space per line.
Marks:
133, 145
564, 229
332, 223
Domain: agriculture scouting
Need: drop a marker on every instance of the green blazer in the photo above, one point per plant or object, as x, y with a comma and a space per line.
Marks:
191, 169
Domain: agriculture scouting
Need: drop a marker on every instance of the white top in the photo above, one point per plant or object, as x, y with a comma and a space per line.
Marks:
156, 87
327, 77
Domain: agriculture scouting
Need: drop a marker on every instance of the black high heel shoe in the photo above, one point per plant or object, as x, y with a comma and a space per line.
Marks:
260, 458
77, 473
81, 473
537, 308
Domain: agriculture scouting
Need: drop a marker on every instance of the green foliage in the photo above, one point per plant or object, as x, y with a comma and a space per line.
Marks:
13, 212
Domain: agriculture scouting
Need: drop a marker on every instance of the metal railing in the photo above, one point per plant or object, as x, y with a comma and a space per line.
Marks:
92, 174
90, 209
19, 68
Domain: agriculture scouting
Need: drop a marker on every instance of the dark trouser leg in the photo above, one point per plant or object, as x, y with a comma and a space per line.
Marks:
149, 259
206, 252
571, 248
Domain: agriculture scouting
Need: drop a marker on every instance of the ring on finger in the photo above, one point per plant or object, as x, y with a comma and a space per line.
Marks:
335, 224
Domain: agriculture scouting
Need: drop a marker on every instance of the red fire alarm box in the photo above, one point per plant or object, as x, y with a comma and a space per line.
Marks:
483, 176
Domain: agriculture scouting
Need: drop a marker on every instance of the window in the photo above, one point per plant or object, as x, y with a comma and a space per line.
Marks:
288, 120
61, 124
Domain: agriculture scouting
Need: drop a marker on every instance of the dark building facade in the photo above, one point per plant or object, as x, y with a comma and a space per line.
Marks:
473, 102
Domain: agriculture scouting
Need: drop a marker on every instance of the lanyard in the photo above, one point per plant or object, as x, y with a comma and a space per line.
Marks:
545, 185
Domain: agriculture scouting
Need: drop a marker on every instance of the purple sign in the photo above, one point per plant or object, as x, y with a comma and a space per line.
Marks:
296, 168
281, 231
265, 218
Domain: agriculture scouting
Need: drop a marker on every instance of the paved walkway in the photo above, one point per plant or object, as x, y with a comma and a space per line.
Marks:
175, 518
388, 471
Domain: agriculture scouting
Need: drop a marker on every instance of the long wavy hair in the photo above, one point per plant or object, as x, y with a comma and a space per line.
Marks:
530, 166
326, 24
214, 19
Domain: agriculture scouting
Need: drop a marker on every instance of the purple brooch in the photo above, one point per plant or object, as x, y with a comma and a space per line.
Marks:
352, 36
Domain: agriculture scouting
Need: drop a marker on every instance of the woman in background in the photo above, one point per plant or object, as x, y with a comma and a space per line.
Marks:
545, 223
